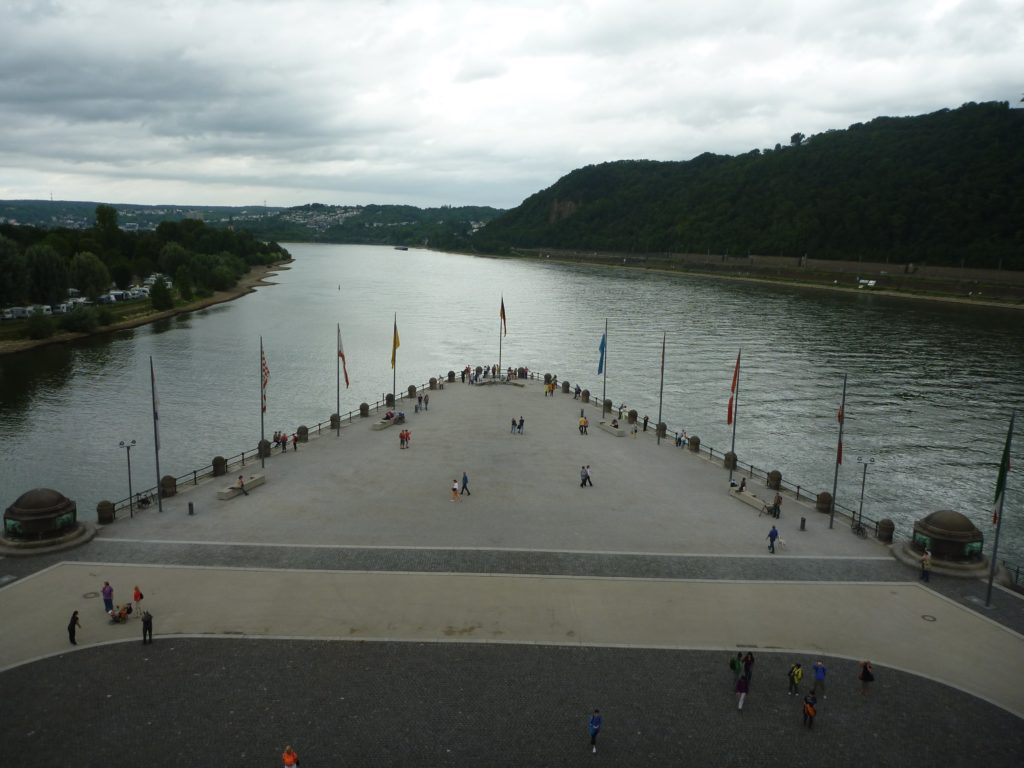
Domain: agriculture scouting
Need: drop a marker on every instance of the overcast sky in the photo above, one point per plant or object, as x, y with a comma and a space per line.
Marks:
462, 103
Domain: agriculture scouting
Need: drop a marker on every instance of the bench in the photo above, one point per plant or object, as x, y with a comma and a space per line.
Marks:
750, 498
607, 427
252, 481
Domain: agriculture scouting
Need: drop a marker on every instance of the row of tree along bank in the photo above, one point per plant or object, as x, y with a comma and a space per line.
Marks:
40, 267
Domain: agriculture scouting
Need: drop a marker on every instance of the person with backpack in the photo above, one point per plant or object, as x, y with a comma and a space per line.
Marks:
736, 665
594, 727
796, 674
810, 709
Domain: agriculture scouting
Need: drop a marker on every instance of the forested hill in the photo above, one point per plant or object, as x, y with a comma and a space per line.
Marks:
937, 188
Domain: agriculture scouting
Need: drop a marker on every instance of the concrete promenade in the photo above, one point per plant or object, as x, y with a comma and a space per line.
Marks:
353, 539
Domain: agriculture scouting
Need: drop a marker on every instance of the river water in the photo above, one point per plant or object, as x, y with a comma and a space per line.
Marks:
930, 387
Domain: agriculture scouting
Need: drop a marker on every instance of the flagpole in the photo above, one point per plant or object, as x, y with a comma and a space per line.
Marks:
604, 382
337, 379
735, 409
262, 396
394, 365
1004, 466
839, 453
156, 436
661, 390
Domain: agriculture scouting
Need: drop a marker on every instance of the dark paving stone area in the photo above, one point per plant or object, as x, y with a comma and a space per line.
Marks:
970, 593
237, 702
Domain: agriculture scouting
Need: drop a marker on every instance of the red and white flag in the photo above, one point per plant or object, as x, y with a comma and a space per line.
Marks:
504, 322
341, 354
265, 371
732, 390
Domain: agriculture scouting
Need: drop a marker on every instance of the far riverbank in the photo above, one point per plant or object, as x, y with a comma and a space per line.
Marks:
257, 276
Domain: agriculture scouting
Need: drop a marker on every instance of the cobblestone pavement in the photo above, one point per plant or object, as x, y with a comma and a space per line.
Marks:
228, 702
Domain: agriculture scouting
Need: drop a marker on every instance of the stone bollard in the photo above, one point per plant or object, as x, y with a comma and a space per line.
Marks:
661, 429
335, 421
105, 512
565, 387
451, 377
220, 466
521, 373
263, 449
303, 433
479, 371
631, 416
886, 530
412, 391
433, 383
585, 396
168, 486
364, 410
389, 400
694, 444
729, 460
824, 502
803, 523
606, 407
775, 480
191, 508
547, 378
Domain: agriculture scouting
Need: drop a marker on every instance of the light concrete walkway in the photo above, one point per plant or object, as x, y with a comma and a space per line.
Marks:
903, 626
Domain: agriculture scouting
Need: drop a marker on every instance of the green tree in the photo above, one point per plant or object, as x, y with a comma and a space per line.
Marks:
172, 257
13, 273
47, 275
183, 282
160, 296
121, 273
106, 224
40, 326
89, 275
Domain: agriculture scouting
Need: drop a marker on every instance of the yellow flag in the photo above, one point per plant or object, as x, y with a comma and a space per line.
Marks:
395, 344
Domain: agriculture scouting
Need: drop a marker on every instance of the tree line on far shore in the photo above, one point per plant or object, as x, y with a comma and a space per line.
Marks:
943, 189
39, 266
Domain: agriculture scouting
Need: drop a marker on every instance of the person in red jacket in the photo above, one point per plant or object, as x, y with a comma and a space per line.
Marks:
289, 757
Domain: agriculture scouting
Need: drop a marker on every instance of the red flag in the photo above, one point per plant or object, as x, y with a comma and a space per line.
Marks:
341, 354
504, 322
735, 382
265, 369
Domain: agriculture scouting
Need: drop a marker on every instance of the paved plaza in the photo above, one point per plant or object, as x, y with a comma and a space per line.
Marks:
351, 608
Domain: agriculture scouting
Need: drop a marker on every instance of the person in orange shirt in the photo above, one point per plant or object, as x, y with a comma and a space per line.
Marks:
289, 757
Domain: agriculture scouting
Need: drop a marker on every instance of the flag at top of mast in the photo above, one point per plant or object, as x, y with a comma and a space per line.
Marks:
732, 389
395, 343
265, 371
504, 322
341, 354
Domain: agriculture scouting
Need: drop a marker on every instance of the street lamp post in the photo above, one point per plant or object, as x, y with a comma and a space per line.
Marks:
864, 478
127, 445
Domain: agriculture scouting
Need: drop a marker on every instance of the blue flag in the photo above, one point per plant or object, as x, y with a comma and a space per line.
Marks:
600, 363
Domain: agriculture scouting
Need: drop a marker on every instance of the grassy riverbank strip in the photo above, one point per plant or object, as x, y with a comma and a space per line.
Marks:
143, 313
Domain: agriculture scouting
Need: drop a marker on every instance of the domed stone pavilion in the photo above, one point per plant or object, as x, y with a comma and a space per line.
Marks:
950, 536
41, 513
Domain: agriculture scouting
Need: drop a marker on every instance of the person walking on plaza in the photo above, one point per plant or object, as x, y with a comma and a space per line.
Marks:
583, 476
810, 708
465, 485
455, 490
589, 475
108, 596
796, 674
581, 422
742, 687
72, 626
426, 402
867, 676
290, 758
513, 426
295, 442
773, 534
147, 628
586, 425
820, 670
748, 666
736, 665
521, 422
594, 727
137, 598
926, 566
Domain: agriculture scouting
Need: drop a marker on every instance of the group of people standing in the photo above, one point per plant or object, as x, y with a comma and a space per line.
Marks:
517, 426
404, 438
117, 614
281, 439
